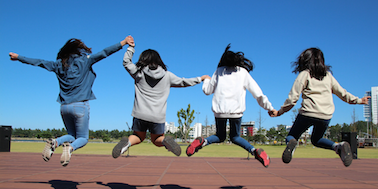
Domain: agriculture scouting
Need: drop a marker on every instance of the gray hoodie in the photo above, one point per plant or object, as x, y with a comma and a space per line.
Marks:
152, 89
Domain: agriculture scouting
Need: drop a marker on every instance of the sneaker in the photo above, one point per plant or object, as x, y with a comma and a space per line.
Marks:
49, 149
194, 146
345, 153
289, 151
262, 156
121, 147
66, 155
171, 145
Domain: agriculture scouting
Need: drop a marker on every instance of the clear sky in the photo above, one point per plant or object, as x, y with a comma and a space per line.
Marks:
190, 37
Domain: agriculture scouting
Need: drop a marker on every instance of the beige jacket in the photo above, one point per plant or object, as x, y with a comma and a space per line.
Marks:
317, 95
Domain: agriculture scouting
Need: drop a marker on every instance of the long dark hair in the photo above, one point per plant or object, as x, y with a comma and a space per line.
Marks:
312, 59
72, 46
232, 59
150, 58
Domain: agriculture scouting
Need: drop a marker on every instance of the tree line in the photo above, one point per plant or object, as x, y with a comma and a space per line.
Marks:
262, 136
105, 135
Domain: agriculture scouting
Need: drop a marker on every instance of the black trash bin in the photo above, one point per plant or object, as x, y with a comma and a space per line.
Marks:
5, 138
351, 138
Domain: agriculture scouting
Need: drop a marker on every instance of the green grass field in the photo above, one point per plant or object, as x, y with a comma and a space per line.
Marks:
215, 150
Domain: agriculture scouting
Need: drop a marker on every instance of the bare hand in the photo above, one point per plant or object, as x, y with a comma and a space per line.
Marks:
130, 41
13, 56
205, 77
365, 100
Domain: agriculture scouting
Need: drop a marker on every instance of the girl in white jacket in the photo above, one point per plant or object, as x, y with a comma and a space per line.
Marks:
229, 84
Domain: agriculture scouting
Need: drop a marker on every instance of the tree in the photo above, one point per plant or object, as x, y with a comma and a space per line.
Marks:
281, 134
335, 133
271, 134
185, 119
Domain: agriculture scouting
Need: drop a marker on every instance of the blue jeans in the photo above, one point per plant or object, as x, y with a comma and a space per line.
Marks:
220, 136
302, 123
76, 119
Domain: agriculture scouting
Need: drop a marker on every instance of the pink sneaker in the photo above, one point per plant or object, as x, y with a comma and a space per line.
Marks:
261, 155
194, 146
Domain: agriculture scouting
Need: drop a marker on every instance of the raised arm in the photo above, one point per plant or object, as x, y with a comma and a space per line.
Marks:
127, 62
94, 58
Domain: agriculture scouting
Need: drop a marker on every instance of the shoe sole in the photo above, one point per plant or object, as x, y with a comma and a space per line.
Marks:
192, 148
65, 158
288, 153
172, 146
46, 153
259, 157
347, 152
118, 148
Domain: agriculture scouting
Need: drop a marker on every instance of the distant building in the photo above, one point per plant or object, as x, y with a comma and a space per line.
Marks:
248, 128
209, 130
196, 131
170, 127
371, 109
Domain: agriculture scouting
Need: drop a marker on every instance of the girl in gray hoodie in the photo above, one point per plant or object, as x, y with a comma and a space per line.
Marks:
152, 86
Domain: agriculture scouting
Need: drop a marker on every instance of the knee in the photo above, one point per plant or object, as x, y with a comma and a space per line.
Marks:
315, 142
158, 144
233, 139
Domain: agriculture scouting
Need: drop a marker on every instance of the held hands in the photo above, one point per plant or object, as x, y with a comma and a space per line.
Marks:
128, 40
205, 77
273, 113
13, 56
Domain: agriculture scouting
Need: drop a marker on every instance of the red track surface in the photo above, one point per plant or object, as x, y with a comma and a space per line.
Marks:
28, 170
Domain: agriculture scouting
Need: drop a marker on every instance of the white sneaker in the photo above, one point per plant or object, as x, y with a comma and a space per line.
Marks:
66, 155
49, 149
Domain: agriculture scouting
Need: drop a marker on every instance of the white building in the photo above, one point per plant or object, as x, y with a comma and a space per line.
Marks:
170, 127
209, 130
196, 131
371, 109
374, 104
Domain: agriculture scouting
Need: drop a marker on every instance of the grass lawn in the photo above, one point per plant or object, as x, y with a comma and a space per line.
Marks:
214, 150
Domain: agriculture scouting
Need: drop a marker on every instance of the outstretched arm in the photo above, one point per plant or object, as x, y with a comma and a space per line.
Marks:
48, 65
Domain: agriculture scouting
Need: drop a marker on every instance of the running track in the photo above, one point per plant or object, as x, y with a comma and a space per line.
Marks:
28, 170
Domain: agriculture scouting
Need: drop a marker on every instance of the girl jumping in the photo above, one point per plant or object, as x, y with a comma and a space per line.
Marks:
73, 69
317, 85
229, 84
152, 86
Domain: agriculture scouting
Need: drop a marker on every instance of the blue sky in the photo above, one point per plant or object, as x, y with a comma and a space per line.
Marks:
190, 37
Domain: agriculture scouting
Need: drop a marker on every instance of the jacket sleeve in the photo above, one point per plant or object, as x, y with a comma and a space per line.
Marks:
128, 64
92, 59
295, 92
343, 94
48, 65
209, 85
257, 93
183, 82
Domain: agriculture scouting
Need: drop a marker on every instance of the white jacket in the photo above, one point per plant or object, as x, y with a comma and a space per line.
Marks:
229, 85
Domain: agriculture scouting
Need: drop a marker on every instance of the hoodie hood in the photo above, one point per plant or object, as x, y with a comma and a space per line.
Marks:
154, 74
